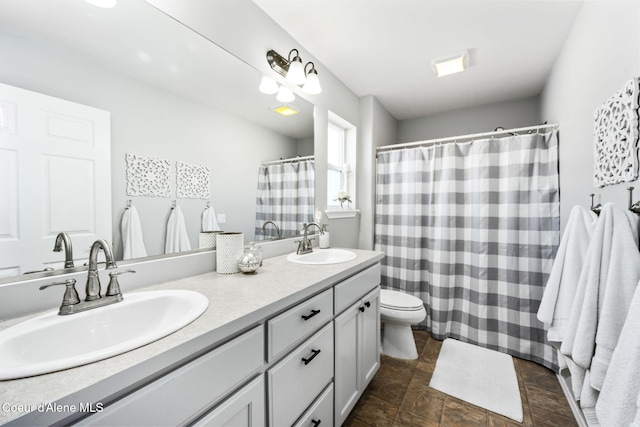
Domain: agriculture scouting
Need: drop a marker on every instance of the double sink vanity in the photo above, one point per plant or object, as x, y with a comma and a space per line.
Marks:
294, 344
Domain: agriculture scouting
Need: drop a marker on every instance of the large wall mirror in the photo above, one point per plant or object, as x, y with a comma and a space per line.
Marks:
171, 95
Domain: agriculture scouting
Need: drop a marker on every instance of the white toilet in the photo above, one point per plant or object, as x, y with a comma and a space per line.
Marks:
398, 311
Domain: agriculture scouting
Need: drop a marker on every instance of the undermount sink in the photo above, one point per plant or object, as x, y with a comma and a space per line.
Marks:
323, 256
51, 342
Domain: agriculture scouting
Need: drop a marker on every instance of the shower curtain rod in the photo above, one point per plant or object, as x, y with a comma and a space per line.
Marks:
469, 136
290, 160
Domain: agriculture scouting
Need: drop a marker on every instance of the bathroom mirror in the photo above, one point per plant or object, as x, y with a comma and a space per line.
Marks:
171, 94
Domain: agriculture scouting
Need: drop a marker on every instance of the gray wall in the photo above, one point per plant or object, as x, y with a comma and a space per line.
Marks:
149, 122
600, 55
484, 118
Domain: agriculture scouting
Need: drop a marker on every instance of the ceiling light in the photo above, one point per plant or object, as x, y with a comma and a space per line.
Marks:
312, 84
285, 94
285, 110
268, 85
450, 64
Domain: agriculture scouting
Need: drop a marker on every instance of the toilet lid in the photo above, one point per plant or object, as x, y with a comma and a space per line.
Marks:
399, 300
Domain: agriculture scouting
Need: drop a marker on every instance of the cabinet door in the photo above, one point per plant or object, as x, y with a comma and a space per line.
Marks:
347, 365
245, 408
370, 337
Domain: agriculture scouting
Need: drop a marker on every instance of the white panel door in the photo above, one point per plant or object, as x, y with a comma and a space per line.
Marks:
55, 176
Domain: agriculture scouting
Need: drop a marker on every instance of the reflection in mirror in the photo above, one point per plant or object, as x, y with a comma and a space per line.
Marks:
170, 95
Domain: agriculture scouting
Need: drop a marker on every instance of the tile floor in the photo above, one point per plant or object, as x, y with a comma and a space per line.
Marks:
399, 396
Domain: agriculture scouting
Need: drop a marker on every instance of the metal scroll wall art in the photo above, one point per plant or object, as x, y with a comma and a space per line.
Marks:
616, 137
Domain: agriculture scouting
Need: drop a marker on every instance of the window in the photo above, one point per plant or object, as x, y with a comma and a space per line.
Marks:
340, 160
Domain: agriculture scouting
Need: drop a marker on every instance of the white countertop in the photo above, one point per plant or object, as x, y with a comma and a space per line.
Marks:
236, 303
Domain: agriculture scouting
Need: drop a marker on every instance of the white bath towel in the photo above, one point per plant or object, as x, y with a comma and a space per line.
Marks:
177, 239
620, 395
589, 277
612, 258
621, 283
559, 292
209, 220
131, 229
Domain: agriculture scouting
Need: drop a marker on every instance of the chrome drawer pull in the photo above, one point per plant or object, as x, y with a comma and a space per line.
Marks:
316, 423
313, 313
315, 353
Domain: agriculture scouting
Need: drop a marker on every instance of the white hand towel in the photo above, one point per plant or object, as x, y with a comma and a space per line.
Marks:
620, 395
209, 220
177, 238
559, 292
131, 229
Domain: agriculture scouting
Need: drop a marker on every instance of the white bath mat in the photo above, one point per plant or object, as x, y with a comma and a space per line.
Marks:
480, 376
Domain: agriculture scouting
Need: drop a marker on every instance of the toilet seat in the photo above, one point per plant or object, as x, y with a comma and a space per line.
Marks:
400, 301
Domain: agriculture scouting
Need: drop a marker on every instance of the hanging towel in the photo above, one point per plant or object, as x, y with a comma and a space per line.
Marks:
599, 310
589, 276
622, 280
209, 220
559, 292
177, 238
131, 229
620, 396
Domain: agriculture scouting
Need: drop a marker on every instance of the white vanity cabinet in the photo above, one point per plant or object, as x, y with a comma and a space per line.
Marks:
180, 396
302, 362
357, 345
246, 408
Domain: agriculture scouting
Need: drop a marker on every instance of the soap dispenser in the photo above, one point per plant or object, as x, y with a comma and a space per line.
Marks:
324, 237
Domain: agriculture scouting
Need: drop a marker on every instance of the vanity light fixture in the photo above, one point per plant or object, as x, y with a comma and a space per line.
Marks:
450, 64
285, 110
292, 70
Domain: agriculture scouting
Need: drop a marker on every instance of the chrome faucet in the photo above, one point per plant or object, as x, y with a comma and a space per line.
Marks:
278, 236
71, 302
93, 279
304, 245
61, 238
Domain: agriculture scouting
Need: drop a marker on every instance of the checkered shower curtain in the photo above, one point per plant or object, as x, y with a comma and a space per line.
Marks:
286, 196
472, 229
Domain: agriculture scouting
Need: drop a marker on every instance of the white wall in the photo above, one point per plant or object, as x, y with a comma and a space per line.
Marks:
148, 122
600, 55
484, 118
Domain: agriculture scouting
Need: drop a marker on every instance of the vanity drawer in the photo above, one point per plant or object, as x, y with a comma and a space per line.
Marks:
298, 322
175, 398
321, 412
299, 378
353, 288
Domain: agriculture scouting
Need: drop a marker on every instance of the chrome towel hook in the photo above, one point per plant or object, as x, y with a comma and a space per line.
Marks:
597, 208
633, 207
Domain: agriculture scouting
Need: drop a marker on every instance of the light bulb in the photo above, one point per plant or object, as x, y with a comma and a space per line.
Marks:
285, 95
268, 85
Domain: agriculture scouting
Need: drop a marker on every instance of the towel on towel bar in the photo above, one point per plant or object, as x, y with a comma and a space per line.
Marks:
177, 239
596, 318
209, 220
555, 306
131, 229
620, 395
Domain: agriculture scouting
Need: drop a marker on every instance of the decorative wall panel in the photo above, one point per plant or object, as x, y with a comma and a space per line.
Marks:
148, 176
192, 181
615, 145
